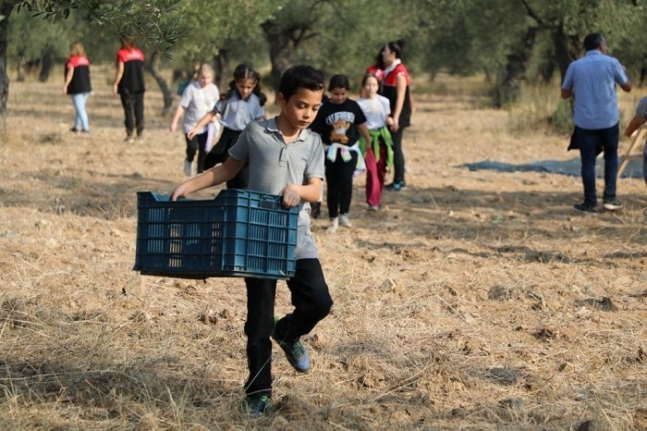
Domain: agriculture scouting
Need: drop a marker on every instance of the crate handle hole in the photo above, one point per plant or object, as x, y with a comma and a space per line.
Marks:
269, 204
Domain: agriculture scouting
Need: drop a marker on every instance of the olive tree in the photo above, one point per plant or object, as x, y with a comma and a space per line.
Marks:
157, 23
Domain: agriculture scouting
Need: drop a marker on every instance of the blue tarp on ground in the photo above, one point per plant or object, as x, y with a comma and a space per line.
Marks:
569, 167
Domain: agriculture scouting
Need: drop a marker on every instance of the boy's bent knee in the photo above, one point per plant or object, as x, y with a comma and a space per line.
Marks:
322, 308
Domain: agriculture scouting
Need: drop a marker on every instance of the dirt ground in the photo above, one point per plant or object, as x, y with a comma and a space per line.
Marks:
473, 301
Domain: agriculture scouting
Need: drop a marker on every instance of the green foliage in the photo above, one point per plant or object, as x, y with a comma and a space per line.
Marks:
340, 36
30, 37
158, 23
223, 26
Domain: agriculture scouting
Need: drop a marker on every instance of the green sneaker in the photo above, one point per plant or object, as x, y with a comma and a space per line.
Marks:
255, 405
295, 352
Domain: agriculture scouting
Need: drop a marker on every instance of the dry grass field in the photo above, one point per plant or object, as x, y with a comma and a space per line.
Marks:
473, 301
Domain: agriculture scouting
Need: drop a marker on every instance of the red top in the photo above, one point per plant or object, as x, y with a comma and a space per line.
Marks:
125, 54
389, 90
80, 82
77, 60
132, 81
392, 77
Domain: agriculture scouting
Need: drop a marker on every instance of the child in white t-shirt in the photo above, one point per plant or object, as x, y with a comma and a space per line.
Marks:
197, 99
378, 154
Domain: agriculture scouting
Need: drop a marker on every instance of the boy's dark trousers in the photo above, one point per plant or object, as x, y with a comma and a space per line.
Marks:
133, 104
339, 176
312, 303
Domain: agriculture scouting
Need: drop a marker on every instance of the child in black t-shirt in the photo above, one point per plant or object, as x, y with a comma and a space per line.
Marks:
340, 121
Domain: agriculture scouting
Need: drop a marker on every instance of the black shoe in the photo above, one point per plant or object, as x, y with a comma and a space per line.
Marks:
315, 210
612, 205
589, 209
74, 130
255, 405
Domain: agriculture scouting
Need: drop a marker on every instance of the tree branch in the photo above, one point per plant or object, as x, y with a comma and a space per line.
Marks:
532, 13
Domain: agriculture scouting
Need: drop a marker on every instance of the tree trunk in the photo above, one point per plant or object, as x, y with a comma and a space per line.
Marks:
47, 62
281, 50
547, 70
222, 68
153, 67
508, 87
567, 49
5, 11
20, 68
281, 60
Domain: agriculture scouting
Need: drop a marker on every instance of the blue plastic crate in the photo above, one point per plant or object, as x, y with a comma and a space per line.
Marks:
240, 233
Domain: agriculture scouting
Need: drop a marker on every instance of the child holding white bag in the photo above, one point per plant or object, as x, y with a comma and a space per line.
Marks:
197, 100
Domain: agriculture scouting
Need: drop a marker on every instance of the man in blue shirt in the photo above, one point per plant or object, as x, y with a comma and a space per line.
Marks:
591, 80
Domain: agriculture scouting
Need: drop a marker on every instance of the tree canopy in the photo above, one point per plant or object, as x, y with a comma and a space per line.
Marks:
510, 41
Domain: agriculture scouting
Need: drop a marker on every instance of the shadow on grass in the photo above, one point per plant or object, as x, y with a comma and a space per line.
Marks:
421, 214
110, 392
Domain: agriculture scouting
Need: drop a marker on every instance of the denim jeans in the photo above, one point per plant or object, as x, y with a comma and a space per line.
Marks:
81, 122
591, 142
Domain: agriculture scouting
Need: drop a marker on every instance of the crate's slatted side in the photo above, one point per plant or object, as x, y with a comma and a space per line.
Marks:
277, 241
240, 233
214, 244
185, 237
259, 233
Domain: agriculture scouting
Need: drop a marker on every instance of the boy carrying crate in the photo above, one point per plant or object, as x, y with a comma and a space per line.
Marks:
287, 159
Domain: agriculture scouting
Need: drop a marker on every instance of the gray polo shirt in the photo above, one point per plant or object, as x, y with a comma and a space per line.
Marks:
197, 102
236, 113
273, 165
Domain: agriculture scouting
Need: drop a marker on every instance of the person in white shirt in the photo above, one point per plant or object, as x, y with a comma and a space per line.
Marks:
197, 100
378, 153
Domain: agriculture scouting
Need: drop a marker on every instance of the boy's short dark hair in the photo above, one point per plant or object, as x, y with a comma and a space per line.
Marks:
593, 41
339, 81
300, 76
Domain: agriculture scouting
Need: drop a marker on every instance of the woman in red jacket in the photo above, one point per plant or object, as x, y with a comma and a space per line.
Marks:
77, 85
129, 84
395, 87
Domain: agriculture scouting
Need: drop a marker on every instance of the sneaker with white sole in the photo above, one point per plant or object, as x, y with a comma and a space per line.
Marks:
345, 221
188, 168
334, 224
612, 205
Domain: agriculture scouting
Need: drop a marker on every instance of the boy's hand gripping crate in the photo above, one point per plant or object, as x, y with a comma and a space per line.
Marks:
240, 233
